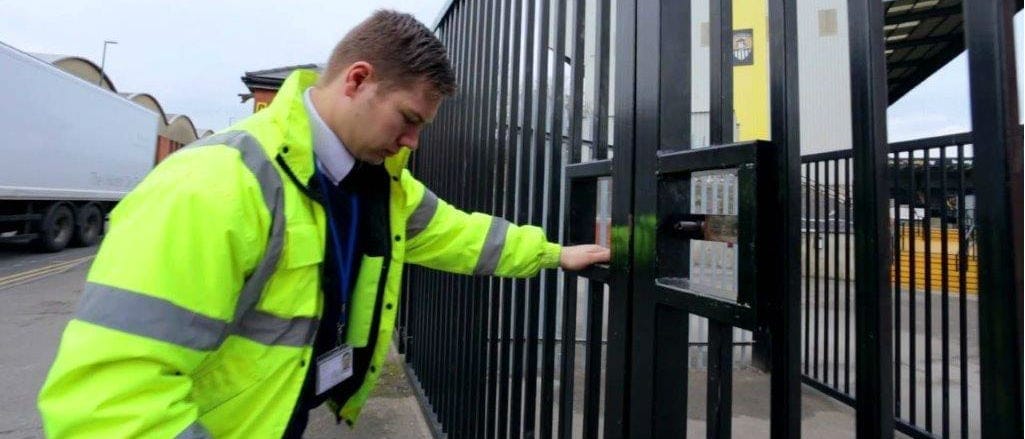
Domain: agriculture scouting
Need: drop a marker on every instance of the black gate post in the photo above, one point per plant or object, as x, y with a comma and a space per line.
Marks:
873, 299
997, 141
785, 327
617, 385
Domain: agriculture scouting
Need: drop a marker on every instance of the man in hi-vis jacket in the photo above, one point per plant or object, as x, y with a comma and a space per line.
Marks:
255, 274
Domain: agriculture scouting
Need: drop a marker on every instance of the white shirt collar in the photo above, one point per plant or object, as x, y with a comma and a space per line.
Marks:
333, 158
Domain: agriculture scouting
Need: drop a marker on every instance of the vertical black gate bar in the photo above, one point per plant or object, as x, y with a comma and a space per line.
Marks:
927, 284
497, 97
596, 291
481, 146
962, 269
535, 211
443, 290
644, 375
570, 234
784, 328
998, 164
912, 292
505, 403
897, 231
507, 114
457, 373
825, 272
435, 359
523, 294
836, 273
430, 358
806, 235
468, 413
489, 35
945, 298
463, 349
620, 337
848, 255
816, 308
874, 403
424, 353
569, 296
720, 380
462, 340
454, 383
670, 131
719, 401
551, 225
439, 357
430, 351
720, 36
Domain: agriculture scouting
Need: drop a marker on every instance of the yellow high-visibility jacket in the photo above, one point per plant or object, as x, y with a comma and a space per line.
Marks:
200, 309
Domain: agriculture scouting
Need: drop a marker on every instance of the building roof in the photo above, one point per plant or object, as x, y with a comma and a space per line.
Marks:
922, 36
78, 66
271, 79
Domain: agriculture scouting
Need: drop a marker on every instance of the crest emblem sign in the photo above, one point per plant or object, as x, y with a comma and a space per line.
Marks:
743, 47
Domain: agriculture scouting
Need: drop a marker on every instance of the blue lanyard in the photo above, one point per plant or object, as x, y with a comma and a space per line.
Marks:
343, 261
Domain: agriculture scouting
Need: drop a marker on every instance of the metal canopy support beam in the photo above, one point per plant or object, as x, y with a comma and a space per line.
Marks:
873, 299
998, 156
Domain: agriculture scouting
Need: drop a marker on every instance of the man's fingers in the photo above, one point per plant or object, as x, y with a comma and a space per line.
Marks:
580, 256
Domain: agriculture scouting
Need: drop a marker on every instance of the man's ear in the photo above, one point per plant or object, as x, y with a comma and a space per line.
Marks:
356, 77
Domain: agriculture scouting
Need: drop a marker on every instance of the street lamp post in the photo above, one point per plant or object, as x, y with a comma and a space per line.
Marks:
103, 60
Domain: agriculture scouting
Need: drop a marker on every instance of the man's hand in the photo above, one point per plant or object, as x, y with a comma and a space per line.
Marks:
577, 257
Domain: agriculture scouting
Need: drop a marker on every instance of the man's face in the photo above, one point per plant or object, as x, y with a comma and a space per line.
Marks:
386, 119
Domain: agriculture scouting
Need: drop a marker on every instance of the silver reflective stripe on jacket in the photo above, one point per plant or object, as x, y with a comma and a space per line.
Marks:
159, 319
149, 317
421, 217
493, 245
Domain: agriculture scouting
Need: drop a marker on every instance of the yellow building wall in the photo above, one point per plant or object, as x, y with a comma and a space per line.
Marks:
751, 82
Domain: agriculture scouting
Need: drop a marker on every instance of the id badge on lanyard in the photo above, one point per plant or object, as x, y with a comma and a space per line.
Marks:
335, 366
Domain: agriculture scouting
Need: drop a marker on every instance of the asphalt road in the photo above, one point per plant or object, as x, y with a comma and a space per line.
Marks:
38, 295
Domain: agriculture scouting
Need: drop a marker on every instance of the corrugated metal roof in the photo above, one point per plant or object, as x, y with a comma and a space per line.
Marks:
922, 36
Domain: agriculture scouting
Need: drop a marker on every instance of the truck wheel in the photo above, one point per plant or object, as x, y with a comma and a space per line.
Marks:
89, 226
57, 228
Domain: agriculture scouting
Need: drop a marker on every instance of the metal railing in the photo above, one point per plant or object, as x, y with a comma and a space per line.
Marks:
511, 358
580, 355
933, 276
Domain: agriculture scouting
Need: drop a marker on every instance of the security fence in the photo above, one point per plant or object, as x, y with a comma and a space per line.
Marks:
590, 118
934, 276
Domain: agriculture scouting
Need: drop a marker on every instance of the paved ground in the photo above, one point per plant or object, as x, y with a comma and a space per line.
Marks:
39, 294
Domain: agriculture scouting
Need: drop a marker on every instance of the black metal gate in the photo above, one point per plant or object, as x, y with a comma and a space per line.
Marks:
577, 116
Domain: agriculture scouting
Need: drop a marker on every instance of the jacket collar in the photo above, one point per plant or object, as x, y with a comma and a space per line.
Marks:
288, 112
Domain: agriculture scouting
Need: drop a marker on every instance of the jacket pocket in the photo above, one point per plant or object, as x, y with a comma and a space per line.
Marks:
364, 298
303, 246
229, 372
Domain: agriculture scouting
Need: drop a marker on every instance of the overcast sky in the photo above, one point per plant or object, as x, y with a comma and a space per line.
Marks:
190, 54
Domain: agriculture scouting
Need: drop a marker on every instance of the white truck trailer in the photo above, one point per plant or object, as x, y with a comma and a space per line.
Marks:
69, 150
